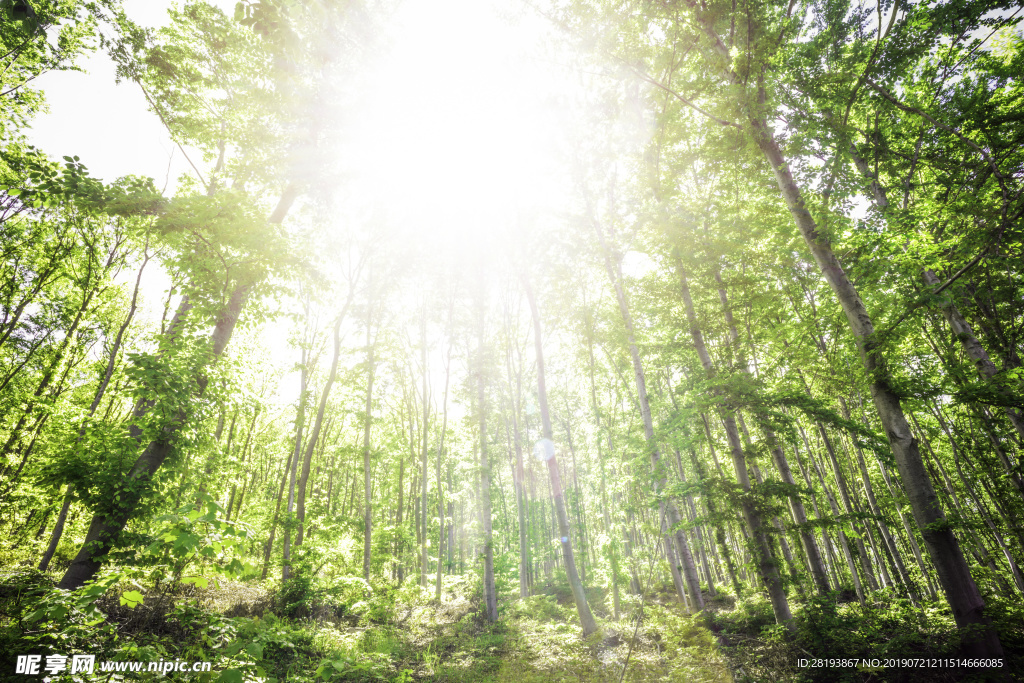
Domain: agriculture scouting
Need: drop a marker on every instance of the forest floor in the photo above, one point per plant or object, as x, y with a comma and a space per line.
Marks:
399, 637
252, 632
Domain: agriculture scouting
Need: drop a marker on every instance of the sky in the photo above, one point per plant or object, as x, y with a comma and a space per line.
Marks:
437, 135
457, 129
107, 124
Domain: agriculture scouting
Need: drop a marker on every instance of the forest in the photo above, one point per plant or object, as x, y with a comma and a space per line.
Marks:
517, 340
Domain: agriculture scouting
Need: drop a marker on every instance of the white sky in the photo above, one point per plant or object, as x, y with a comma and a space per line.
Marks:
457, 130
108, 125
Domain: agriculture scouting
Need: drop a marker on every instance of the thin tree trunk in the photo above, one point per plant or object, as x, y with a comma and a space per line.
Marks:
106, 527
314, 434
424, 563
367, 422
767, 567
613, 268
959, 326
58, 528
548, 453
300, 423
440, 455
490, 589
277, 511
883, 528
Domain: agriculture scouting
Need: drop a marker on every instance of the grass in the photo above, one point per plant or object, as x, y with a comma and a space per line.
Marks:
385, 634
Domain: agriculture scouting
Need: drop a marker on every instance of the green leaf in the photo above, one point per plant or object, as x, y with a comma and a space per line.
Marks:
230, 676
199, 581
132, 599
255, 649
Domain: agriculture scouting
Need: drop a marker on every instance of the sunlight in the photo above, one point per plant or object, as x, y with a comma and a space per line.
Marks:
459, 124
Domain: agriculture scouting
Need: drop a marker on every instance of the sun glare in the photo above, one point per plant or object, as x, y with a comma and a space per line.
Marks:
459, 125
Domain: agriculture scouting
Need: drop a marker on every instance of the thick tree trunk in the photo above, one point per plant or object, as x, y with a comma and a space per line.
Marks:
58, 528
107, 526
979, 638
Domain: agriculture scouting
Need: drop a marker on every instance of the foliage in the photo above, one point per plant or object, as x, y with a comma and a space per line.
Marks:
777, 308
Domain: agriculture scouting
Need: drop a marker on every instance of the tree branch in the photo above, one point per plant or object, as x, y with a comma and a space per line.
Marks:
938, 124
670, 91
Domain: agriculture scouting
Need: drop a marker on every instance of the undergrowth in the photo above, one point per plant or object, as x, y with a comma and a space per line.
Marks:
312, 630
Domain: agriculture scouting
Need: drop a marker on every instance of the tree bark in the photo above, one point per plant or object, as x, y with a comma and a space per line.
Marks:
547, 448
490, 589
979, 639
613, 268
300, 424
58, 528
318, 422
107, 526
767, 567
367, 423
440, 454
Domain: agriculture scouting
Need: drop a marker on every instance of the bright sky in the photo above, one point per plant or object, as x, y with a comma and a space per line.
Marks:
108, 125
459, 124
457, 131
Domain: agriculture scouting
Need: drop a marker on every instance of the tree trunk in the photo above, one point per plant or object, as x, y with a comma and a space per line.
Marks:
318, 422
107, 526
613, 268
547, 451
300, 424
367, 470
767, 567
959, 326
58, 528
424, 563
440, 455
978, 637
490, 589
